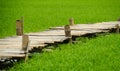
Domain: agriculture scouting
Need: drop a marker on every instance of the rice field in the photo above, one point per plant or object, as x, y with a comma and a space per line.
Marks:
98, 54
42, 14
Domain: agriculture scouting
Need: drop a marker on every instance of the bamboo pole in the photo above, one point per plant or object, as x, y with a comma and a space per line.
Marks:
68, 33
25, 45
19, 28
71, 21
117, 28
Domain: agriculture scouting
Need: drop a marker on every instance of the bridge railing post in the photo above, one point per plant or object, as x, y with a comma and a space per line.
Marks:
71, 21
68, 33
25, 45
118, 19
19, 27
117, 28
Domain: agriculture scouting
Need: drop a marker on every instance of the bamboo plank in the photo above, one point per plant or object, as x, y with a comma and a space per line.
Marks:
103, 25
73, 32
19, 43
11, 55
11, 46
12, 51
91, 27
35, 37
5, 47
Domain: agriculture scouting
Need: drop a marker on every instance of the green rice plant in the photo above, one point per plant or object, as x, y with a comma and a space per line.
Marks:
99, 54
42, 14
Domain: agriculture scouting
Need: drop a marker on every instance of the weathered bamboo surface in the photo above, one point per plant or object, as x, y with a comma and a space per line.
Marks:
12, 46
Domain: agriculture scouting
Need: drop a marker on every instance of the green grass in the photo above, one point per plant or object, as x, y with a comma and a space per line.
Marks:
99, 54
42, 14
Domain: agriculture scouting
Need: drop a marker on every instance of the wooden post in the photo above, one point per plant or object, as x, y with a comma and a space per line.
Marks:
119, 19
71, 21
25, 43
19, 28
68, 33
117, 28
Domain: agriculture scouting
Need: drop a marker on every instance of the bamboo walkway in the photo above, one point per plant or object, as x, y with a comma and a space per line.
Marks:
18, 46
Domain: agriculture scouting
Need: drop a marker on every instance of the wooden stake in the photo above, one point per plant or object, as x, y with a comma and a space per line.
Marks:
71, 21
25, 43
119, 19
68, 33
117, 28
19, 28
